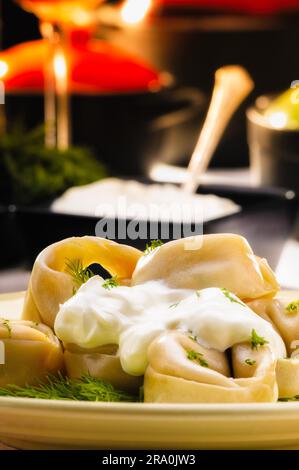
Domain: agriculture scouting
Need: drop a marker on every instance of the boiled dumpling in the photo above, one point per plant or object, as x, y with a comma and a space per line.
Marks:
31, 353
283, 313
102, 363
224, 261
182, 371
51, 284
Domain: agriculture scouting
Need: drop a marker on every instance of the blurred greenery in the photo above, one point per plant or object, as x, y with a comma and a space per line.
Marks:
31, 173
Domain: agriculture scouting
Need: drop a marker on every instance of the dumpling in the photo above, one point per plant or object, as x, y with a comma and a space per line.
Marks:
132, 317
31, 353
224, 261
283, 313
51, 285
102, 363
106, 331
182, 371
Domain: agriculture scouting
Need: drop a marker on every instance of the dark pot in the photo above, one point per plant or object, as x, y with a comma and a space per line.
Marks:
192, 45
274, 153
128, 132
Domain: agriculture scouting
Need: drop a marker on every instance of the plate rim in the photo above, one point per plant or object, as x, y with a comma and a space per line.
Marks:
150, 408
7, 296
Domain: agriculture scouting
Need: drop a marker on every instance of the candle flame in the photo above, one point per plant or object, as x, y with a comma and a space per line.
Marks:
134, 11
60, 66
3, 69
278, 120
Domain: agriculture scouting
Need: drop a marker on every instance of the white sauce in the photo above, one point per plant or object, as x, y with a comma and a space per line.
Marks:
133, 316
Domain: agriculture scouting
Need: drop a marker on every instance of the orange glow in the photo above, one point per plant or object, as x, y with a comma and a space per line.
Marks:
134, 11
78, 12
3, 69
93, 66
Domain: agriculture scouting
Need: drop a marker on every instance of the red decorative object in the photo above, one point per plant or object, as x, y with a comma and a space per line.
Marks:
246, 6
96, 67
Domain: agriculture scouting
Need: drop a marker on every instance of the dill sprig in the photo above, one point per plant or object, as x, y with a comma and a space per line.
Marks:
111, 283
79, 274
141, 393
293, 307
86, 388
6, 325
174, 305
230, 296
193, 338
295, 398
250, 362
198, 357
256, 340
149, 248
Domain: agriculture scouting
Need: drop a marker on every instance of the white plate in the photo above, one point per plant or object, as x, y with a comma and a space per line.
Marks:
44, 424
39, 424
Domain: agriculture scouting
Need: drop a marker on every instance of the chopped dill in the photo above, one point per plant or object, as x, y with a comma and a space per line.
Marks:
250, 362
111, 283
193, 337
295, 398
62, 388
230, 296
198, 357
152, 246
6, 325
141, 393
174, 305
256, 340
77, 271
293, 307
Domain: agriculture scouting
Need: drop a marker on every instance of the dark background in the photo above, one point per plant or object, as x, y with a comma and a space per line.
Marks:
192, 45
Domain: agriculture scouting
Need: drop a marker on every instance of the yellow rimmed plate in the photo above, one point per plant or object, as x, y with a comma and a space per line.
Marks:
45, 424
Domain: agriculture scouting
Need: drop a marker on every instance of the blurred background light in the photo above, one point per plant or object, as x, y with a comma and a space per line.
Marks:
135, 11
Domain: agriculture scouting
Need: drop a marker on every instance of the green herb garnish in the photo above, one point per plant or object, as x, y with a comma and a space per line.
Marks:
293, 307
295, 398
198, 357
174, 305
31, 173
79, 274
197, 293
6, 325
141, 393
193, 338
250, 362
62, 388
111, 283
152, 246
230, 296
257, 340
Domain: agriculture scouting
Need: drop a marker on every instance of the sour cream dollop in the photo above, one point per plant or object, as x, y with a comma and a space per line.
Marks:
133, 316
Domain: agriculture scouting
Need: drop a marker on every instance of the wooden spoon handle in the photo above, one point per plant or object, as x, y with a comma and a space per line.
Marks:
232, 85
